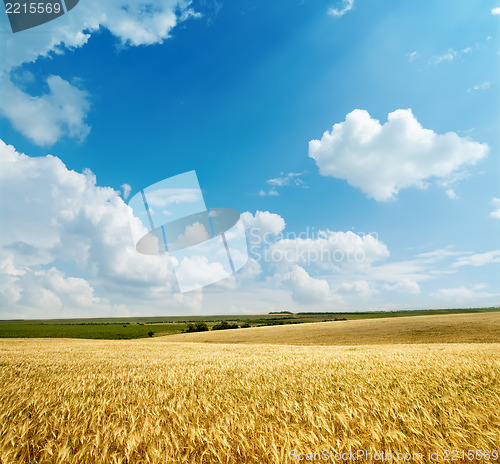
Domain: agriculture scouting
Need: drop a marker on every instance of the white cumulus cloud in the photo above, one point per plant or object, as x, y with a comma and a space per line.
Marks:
132, 22
307, 290
126, 189
451, 194
63, 111
358, 287
329, 249
48, 117
196, 271
51, 216
496, 205
261, 225
193, 233
381, 159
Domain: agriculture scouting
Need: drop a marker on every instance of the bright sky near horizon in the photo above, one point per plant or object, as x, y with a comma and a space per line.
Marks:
359, 140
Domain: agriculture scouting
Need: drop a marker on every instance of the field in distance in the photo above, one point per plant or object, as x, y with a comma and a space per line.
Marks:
106, 331
450, 328
101, 401
142, 327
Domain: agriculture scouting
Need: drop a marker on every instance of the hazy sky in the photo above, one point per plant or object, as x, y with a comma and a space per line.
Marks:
359, 140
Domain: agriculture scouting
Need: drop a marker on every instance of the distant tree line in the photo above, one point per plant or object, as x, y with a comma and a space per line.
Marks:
223, 325
196, 327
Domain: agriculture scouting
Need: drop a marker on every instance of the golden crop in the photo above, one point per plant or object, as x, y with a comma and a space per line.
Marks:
80, 401
448, 328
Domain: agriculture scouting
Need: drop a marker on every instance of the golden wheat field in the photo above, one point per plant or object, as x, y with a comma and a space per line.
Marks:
449, 328
83, 401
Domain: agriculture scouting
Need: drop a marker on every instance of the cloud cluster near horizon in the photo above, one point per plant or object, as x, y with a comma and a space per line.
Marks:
66, 250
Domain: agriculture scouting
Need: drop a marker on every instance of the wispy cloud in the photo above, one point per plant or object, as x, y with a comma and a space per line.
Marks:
484, 86
479, 259
448, 56
495, 11
268, 193
290, 179
126, 189
412, 56
439, 255
464, 294
342, 10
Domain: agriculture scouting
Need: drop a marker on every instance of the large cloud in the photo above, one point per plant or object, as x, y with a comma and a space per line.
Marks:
348, 263
329, 250
51, 216
48, 292
383, 159
132, 22
64, 108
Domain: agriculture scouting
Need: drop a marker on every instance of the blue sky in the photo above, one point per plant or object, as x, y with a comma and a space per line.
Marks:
237, 91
